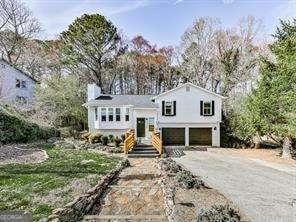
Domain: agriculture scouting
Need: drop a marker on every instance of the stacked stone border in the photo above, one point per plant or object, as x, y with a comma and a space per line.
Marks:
82, 205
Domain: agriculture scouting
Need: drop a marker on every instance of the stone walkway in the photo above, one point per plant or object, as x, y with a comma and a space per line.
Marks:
136, 196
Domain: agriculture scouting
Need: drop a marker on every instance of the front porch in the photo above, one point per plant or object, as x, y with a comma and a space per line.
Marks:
142, 147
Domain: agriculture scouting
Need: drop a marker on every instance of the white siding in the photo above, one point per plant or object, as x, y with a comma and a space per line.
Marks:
188, 106
188, 111
8, 90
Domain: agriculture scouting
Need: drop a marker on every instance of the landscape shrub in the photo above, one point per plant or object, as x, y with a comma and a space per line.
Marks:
187, 180
111, 138
14, 128
219, 213
169, 165
104, 140
84, 135
117, 141
95, 137
122, 137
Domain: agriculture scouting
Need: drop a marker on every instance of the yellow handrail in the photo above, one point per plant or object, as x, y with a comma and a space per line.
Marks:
129, 141
157, 142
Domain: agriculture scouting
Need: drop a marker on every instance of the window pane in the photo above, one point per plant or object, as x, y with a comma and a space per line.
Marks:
127, 114
117, 112
207, 110
96, 114
17, 83
103, 114
23, 85
110, 111
169, 110
151, 124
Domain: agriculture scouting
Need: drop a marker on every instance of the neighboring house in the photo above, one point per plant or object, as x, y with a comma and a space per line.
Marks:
186, 115
16, 86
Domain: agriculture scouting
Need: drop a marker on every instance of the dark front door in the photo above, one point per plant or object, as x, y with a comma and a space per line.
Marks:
173, 136
140, 127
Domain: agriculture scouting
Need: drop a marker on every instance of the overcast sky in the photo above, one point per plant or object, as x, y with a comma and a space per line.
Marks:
162, 22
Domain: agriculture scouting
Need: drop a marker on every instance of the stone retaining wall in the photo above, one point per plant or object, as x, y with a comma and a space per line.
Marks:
81, 206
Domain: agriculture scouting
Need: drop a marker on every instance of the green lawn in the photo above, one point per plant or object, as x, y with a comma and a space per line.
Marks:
40, 188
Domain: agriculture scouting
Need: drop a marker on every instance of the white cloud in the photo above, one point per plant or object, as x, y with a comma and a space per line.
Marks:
55, 16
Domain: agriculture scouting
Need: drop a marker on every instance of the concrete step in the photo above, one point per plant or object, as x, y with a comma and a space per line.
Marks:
143, 149
125, 218
142, 155
144, 152
144, 145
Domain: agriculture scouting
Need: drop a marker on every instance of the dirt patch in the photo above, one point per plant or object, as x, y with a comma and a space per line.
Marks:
14, 154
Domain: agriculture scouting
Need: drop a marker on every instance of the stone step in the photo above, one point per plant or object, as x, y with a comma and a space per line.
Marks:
121, 218
142, 155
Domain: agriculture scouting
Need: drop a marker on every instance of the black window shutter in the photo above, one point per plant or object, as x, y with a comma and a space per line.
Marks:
174, 108
213, 107
163, 108
201, 107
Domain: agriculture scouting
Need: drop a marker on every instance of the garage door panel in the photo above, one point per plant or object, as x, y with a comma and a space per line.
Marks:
173, 136
200, 136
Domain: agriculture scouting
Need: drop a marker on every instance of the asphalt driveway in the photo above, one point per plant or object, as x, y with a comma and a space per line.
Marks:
263, 191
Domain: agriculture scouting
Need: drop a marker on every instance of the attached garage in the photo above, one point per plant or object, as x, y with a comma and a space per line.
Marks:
173, 136
200, 136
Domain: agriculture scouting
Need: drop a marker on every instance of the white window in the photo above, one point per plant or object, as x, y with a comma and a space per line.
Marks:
169, 108
110, 114
117, 114
151, 124
103, 114
127, 114
207, 108
96, 113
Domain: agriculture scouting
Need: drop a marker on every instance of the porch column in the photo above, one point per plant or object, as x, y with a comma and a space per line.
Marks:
186, 136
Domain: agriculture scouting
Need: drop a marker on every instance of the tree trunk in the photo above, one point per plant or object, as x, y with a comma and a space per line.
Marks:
287, 146
257, 141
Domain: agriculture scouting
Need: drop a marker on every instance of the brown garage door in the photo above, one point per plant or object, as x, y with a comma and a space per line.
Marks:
173, 136
200, 136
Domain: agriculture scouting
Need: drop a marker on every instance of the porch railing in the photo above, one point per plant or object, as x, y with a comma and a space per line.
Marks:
130, 141
157, 142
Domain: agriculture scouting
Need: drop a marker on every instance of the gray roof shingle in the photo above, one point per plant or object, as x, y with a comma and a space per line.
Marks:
138, 101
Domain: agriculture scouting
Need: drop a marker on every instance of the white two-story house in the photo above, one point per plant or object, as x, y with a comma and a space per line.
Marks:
16, 86
186, 115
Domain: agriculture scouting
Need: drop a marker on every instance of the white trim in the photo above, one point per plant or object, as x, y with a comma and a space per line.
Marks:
190, 84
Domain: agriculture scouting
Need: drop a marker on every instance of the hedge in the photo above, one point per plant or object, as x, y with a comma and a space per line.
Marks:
14, 129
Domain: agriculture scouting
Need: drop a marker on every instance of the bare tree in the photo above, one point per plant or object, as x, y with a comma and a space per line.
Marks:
17, 26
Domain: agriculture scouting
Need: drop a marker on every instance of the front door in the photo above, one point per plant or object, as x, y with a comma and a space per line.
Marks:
140, 127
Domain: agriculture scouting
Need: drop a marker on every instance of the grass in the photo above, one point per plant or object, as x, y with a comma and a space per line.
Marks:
40, 188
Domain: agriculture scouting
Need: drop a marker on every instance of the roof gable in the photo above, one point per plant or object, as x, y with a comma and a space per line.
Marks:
190, 84
16, 68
